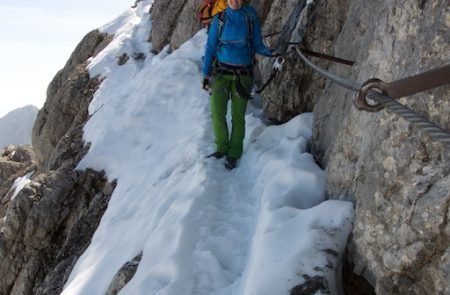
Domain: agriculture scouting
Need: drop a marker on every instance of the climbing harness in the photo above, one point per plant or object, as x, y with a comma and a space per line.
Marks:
236, 71
384, 94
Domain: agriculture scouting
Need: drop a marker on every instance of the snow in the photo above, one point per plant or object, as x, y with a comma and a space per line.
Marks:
203, 230
20, 183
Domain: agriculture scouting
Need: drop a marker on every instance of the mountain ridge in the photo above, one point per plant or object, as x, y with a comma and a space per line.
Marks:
16, 126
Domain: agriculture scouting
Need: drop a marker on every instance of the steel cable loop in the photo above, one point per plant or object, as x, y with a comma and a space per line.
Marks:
433, 130
349, 84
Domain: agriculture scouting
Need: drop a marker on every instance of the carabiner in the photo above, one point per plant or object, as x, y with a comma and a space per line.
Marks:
278, 63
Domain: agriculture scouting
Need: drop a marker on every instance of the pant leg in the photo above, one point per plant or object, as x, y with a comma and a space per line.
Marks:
219, 104
238, 108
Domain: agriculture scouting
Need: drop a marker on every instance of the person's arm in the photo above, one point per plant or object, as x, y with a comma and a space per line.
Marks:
211, 47
257, 40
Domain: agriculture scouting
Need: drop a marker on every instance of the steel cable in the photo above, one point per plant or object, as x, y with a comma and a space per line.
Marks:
433, 130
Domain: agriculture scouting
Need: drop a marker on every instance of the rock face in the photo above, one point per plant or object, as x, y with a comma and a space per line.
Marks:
15, 161
166, 17
68, 97
397, 176
124, 275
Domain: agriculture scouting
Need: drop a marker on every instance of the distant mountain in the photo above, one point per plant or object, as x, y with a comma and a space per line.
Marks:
16, 126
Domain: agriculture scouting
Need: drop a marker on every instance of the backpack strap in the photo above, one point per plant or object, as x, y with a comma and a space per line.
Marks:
250, 36
210, 9
222, 20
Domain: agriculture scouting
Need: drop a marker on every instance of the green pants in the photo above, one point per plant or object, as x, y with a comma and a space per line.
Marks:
223, 89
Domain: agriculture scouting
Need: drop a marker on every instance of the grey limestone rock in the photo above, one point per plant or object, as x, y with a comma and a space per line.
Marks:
396, 175
124, 275
165, 15
68, 97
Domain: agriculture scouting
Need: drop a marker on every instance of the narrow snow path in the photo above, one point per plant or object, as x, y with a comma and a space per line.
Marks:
201, 229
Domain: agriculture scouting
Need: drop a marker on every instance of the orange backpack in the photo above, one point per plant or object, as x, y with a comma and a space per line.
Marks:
208, 9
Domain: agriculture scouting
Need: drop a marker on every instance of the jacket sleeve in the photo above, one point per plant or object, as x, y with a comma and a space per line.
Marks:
257, 40
211, 47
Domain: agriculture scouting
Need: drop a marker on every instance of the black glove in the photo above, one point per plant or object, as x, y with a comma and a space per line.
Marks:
206, 83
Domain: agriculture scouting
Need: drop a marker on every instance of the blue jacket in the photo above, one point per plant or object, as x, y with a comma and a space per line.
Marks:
233, 48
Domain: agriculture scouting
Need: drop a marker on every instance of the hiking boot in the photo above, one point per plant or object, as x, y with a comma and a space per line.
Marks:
230, 163
217, 155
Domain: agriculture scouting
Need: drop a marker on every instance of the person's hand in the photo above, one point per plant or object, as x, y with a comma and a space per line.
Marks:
206, 83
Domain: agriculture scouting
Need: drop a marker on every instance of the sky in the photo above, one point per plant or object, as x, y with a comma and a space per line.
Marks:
37, 38
259, 229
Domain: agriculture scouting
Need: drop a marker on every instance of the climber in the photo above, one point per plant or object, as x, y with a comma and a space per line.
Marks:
233, 39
